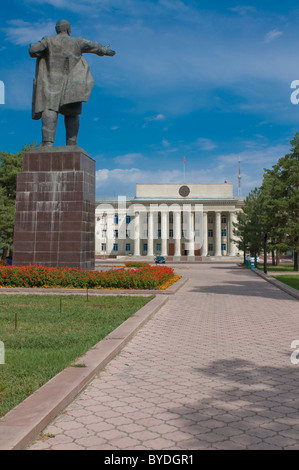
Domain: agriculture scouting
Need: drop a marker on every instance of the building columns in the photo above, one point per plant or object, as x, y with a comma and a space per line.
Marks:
109, 232
190, 233
177, 232
164, 233
137, 234
232, 246
150, 234
204, 251
218, 234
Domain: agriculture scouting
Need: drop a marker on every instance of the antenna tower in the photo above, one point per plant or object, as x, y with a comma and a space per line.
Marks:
239, 179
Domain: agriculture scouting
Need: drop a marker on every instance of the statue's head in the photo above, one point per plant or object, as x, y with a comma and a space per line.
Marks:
63, 26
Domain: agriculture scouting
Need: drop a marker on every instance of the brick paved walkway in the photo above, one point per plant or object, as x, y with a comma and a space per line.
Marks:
211, 370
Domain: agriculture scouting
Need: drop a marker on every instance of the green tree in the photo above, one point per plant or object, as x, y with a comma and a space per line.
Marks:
240, 233
249, 225
280, 201
10, 166
254, 222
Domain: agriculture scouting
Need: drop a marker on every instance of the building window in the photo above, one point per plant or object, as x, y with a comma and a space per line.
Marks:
223, 247
145, 234
223, 219
210, 233
128, 246
115, 247
145, 247
159, 233
171, 219
197, 234
115, 233
223, 232
170, 233
104, 233
210, 219
184, 233
158, 247
210, 247
128, 219
116, 219
103, 247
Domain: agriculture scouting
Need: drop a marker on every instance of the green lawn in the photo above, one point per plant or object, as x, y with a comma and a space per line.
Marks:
291, 280
44, 341
284, 267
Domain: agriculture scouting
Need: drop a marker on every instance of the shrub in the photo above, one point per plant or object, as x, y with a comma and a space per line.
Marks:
136, 264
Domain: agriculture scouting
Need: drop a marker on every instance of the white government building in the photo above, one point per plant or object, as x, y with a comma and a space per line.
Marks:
173, 220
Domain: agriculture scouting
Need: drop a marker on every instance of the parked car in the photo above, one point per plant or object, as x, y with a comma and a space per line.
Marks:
160, 260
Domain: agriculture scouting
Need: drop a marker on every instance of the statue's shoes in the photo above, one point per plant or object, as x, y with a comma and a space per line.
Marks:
44, 144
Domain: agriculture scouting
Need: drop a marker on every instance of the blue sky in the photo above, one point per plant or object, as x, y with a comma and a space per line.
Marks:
210, 80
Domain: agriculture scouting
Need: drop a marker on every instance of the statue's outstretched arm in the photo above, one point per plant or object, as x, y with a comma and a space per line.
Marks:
93, 47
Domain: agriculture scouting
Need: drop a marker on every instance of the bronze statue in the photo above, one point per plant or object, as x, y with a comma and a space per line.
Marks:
63, 81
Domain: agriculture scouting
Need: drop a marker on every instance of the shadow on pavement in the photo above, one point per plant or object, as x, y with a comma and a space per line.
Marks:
250, 407
247, 288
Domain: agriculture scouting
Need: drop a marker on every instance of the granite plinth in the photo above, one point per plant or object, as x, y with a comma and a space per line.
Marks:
55, 207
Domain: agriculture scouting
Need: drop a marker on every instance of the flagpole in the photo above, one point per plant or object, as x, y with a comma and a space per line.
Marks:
184, 169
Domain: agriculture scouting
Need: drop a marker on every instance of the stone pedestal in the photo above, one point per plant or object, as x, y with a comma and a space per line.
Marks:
55, 209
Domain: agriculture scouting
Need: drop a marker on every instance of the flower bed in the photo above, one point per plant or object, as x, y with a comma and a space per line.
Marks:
150, 277
169, 283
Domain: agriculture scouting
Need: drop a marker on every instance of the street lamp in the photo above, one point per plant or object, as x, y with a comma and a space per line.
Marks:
265, 235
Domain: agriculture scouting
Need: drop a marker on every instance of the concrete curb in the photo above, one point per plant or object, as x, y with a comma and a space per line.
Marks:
24, 290
20, 426
289, 290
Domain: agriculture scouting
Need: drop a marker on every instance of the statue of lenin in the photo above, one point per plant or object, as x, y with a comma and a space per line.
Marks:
63, 81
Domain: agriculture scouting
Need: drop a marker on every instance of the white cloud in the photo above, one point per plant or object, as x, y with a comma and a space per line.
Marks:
243, 9
23, 33
76, 6
182, 67
206, 144
123, 181
271, 35
223, 167
157, 117
128, 159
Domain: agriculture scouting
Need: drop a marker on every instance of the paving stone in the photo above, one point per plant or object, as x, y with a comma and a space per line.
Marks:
211, 370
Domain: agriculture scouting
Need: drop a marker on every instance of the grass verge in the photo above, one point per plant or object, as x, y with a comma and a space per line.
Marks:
292, 280
44, 334
284, 267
